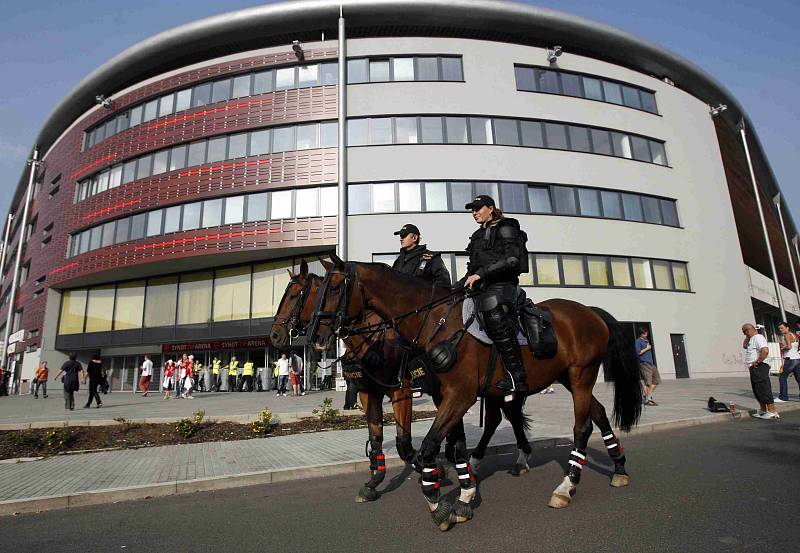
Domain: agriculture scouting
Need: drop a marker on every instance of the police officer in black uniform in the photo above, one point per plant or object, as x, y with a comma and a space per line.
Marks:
415, 258
496, 253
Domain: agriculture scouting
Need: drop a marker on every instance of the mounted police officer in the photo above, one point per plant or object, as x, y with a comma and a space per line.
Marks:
415, 258
497, 256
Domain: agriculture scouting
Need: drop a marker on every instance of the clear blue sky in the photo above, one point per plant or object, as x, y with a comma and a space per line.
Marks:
751, 47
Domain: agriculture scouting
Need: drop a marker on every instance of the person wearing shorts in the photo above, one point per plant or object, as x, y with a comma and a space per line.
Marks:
650, 374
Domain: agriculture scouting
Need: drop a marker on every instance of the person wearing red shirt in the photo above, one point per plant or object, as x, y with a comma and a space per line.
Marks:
169, 377
188, 383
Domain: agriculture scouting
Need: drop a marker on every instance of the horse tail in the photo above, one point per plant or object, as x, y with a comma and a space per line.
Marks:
514, 413
622, 366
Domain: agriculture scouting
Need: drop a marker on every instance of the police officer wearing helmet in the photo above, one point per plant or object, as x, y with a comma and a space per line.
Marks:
415, 258
497, 257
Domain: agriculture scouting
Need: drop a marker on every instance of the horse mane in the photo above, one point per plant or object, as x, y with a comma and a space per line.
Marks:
406, 279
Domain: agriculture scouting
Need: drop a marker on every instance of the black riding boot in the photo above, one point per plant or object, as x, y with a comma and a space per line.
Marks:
504, 336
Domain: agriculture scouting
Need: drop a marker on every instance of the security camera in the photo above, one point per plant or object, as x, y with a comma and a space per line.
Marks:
716, 110
553, 53
298, 50
103, 101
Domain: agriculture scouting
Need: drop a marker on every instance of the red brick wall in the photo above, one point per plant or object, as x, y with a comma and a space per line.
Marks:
290, 169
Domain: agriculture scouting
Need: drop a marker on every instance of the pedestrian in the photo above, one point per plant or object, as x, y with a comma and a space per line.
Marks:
791, 361
296, 372
216, 381
94, 372
650, 374
145, 375
3, 389
105, 385
181, 375
248, 370
199, 372
755, 352
351, 395
327, 378
188, 381
233, 371
275, 375
169, 377
283, 374
71, 370
40, 378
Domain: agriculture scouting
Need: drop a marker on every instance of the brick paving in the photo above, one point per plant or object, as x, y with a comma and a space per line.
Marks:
70, 474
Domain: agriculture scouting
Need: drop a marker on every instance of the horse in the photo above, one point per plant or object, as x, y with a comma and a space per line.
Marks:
380, 377
419, 313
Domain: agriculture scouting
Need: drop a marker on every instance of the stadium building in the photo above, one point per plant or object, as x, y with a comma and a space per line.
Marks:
172, 187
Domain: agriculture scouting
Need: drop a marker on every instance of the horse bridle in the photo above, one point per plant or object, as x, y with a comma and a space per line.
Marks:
339, 318
292, 320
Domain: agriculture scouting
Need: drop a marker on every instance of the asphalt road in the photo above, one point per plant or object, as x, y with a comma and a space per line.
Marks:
726, 487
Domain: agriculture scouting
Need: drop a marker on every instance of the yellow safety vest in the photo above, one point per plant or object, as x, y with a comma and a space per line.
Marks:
198, 367
248, 369
215, 367
233, 368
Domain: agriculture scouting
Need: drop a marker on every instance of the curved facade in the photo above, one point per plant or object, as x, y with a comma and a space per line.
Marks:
166, 219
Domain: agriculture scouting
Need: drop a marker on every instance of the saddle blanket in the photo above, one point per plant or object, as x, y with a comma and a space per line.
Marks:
467, 309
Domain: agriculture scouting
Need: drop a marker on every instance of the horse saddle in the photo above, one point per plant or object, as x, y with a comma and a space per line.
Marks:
529, 319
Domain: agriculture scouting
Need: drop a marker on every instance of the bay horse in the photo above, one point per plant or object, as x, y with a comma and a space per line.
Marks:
423, 315
382, 378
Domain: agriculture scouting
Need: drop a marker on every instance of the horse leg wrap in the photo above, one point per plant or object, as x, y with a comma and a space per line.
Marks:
615, 451
377, 467
430, 485
462, 510
521, 465
576, 461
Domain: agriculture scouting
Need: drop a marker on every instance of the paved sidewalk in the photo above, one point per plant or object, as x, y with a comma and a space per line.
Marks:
82, 479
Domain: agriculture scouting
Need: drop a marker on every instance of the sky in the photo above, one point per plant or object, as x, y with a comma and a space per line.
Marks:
48, 46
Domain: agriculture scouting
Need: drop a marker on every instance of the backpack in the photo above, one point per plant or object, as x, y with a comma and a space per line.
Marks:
522, 244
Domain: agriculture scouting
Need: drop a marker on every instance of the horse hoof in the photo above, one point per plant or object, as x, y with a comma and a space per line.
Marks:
366, 494
442, 516
558, 501
518, 470
462, 512
620, 480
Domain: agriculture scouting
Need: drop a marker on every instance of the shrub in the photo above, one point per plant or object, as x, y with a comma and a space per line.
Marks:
189, 427
326, 412
25, 438
57, 438
264, 422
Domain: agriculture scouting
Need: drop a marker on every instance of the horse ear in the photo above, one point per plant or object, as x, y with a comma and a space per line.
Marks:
337, 261
303, 268
291, 274
327, 264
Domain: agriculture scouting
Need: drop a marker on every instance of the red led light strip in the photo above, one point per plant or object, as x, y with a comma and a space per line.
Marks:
180, 241
206, 112
65, 267
109, 209
223, 167
93, 164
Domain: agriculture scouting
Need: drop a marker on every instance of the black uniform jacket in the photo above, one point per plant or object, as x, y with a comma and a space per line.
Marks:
495, 252
424, 264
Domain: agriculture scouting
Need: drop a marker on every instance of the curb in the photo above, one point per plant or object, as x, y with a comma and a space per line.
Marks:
148, 491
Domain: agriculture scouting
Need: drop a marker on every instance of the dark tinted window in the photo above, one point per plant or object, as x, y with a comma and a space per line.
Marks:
564, 198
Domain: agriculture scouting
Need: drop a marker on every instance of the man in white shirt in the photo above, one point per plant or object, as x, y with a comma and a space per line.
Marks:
146, 375
283, 374
755, 352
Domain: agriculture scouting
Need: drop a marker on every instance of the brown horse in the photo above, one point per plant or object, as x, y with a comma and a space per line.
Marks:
294, 313
587, 337
379, 375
